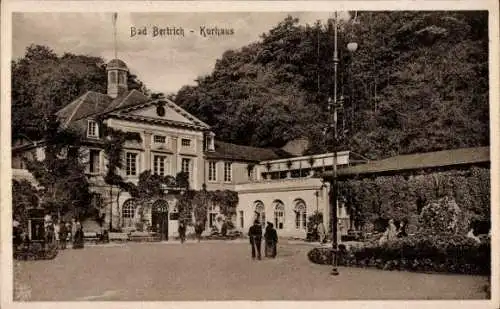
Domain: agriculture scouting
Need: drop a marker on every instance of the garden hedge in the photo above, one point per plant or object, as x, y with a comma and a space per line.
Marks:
452, 254
403, 197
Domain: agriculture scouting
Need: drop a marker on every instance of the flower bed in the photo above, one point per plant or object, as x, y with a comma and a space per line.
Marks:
452, 254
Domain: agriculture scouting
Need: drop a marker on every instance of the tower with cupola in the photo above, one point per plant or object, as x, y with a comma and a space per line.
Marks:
117, 77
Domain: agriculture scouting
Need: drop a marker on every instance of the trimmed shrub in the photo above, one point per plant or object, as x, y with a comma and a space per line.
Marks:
452, 254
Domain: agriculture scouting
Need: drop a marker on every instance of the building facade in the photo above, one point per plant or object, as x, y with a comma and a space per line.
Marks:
274, 185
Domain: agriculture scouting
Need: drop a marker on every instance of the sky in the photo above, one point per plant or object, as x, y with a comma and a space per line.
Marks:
164, 64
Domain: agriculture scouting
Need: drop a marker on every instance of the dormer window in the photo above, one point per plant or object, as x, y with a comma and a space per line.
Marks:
210, 142
92, 129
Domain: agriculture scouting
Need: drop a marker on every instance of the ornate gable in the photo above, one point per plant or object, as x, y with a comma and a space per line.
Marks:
161, 111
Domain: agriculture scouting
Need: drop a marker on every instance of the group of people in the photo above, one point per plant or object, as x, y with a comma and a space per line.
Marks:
57, 234
270, 239
69, 231
198, 230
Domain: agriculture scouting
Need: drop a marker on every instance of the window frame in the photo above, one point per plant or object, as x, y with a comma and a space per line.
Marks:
94, 151
155, 142
279, 216
136, 164
163, 159
189, 142
92, 126
189, 160
228, 172
212, 171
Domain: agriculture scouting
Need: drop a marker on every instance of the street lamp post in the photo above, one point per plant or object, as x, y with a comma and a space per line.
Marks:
333, 106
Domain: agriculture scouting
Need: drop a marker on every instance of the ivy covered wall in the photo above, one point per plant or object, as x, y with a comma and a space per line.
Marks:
372, 201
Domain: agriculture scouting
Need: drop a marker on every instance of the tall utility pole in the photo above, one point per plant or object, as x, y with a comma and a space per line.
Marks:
332, 107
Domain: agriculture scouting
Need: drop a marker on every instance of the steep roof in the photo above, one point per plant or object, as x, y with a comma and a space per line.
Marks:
128, 99
445, 158
230, 151
88, 104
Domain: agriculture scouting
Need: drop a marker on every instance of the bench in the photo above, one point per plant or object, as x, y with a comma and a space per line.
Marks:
91, 237
118, 236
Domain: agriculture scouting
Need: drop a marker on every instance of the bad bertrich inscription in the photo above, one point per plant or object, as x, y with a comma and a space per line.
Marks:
174, 31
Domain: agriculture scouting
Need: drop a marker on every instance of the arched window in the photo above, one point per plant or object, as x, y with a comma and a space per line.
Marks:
128, 212
160, 206
260, 212
300, 214
279, 214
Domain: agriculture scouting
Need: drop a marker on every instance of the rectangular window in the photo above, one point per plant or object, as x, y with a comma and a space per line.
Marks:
186, 142
227, 172
92, 129
159, 139
186, 166
131, 164
160, 165
241, 219
94, 161
212, 171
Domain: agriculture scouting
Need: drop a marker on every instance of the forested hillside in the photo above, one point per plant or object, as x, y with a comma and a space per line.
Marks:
418, 82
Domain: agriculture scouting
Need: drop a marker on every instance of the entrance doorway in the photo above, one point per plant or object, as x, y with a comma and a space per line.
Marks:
159, 218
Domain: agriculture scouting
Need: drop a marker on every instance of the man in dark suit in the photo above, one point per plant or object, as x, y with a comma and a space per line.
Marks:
255, 234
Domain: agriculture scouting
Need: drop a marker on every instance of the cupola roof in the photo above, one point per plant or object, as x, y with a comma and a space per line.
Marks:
116, 64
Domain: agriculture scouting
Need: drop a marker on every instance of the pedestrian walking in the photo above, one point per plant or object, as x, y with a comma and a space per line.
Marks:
198, 229
69, 229
78, 238
271, 239
57, 228
182, 232
63, 235
255, 234
73, 230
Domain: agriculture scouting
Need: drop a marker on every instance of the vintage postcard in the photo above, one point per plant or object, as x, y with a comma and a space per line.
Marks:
250, 153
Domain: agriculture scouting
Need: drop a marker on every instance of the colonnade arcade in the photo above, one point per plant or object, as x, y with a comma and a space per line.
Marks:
279, 210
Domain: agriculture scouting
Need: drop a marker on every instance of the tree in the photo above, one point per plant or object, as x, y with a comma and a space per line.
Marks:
43, 83
24, 197
418, 82
62, 173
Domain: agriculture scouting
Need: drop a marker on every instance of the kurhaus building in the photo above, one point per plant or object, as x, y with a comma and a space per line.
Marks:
272, 184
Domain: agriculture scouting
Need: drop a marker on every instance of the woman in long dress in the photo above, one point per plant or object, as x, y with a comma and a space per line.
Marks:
78, 242
271, 238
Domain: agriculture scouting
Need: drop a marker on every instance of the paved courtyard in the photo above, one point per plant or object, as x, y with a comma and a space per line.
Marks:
220, 271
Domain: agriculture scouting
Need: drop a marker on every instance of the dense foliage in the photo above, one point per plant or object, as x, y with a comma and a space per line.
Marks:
43, 83
443, 217
24, 196
436, 253
61, 173
398, 197
418, 82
